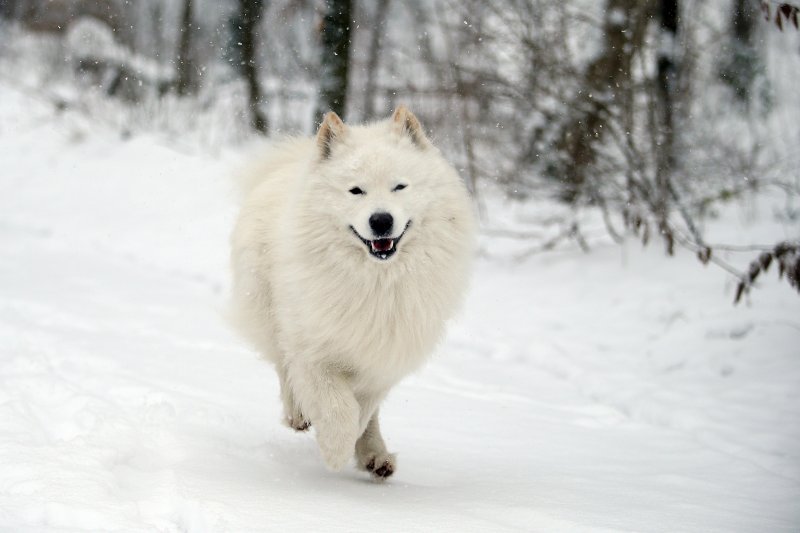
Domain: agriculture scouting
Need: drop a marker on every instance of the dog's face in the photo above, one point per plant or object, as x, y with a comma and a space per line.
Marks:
379, 182
379, 215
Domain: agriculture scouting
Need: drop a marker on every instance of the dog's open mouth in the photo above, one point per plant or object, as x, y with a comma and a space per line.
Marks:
381, 249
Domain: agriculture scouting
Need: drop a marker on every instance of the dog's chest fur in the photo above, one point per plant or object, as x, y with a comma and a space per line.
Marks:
377, 323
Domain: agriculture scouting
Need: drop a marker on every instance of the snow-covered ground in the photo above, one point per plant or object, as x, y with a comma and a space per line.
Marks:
612, 391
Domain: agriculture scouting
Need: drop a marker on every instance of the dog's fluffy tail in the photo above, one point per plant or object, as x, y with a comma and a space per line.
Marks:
271, 157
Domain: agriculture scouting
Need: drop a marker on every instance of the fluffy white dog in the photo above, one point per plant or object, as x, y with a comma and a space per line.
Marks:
350, 253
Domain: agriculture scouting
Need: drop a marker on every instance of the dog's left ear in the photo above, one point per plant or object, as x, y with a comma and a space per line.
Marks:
405, 123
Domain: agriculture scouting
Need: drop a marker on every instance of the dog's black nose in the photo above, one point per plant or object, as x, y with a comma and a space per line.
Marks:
381, 224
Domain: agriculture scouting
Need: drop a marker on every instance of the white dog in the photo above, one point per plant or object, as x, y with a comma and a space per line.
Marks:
349, 255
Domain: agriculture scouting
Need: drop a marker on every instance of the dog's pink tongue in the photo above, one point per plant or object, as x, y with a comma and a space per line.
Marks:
382, 245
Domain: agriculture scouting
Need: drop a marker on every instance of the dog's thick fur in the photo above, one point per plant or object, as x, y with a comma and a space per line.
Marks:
342, 325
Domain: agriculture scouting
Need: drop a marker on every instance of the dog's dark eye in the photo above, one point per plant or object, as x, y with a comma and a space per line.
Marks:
356, 190
400, 187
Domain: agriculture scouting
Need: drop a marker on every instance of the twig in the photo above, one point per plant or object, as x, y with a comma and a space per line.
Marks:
547, 245
694, 247
498, 232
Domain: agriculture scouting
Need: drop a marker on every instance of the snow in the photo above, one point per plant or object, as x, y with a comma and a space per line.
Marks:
92, 40
614, 391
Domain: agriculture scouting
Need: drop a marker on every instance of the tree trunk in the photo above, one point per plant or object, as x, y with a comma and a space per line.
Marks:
186, 82
742, 64
9, 9
250, 13
666, 101
335, 55
668, 63
604, 93
378, 30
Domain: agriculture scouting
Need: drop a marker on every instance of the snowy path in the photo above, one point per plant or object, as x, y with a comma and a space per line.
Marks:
616, 391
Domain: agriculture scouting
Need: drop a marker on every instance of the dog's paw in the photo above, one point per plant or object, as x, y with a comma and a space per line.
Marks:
381, 466
297, 423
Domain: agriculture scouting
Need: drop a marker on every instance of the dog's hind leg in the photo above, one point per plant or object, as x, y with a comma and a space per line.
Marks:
371, 453
325, 397
292, 416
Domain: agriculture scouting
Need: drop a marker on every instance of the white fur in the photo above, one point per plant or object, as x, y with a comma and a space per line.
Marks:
341, 326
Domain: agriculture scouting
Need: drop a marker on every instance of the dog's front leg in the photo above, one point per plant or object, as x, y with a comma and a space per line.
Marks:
292, 415
326, 398
371, 452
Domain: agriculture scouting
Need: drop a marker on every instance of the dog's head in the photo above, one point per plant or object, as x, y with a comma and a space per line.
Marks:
379, 180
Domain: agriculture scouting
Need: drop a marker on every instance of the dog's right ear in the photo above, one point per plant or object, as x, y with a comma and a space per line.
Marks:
330, 131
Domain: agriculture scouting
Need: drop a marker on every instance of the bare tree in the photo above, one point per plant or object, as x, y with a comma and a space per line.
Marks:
742, 63
335, 58
10, 9
376, 44
603, 91
667, 82
249, 14
186, 80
